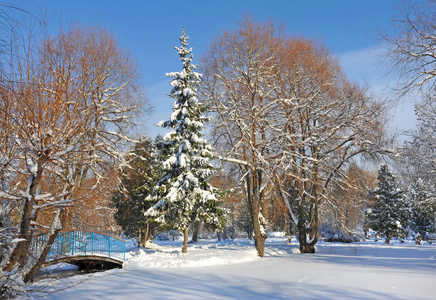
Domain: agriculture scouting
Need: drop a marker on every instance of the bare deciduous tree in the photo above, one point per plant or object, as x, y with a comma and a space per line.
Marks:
343, 213
289, 118
71, 99
411, 51
411, 46
325, 122
240, 69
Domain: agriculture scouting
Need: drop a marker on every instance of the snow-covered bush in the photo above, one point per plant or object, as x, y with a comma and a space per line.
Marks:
338, 234
342, 236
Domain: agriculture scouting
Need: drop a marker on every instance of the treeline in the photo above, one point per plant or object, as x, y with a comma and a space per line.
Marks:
294, 135
289, 128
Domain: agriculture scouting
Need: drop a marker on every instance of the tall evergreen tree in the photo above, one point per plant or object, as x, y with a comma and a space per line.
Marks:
423, 210
137, 184
184, 193
390, 214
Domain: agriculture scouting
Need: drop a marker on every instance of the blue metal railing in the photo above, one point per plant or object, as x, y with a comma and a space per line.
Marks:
82, 243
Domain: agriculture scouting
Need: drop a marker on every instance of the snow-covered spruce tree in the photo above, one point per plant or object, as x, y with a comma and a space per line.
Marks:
184, 194
423, 210
390, 214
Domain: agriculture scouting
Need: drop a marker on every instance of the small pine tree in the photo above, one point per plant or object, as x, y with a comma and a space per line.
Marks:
390, 214
184, 194
423, 212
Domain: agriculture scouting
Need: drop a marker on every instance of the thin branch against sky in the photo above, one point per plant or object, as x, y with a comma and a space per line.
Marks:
150, 29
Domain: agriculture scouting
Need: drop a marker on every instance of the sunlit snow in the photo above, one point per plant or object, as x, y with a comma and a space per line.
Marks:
231, 270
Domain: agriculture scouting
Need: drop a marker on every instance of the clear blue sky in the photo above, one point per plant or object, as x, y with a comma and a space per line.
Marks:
150, 30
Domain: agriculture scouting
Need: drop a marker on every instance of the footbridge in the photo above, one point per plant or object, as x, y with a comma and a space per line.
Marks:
85, 249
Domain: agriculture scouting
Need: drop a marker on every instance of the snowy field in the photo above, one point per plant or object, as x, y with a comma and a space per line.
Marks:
231, 270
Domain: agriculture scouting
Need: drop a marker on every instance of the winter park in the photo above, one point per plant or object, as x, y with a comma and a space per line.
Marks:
218, 150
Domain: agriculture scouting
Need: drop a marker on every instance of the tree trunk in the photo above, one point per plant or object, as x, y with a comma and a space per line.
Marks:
259, 233
302, 235
197, 227
67, 221
139, 236
388, 238
259, 237
29, 276
151, 237
288, 228
259, 241
312, 232
185, 240
147, 229
22, 249
254, 198
56, 226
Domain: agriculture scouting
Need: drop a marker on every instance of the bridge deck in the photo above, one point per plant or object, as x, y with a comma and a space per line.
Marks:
85, 249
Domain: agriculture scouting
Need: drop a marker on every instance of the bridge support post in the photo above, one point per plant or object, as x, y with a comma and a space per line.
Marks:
72, 243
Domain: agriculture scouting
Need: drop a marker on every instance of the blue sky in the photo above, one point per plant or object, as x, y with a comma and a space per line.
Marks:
150, 30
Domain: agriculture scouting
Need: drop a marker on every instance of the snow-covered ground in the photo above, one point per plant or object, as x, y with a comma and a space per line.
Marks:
232, 270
